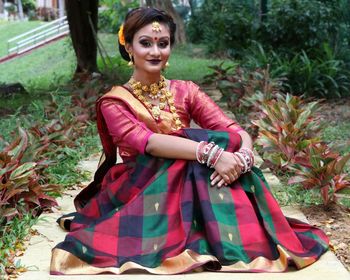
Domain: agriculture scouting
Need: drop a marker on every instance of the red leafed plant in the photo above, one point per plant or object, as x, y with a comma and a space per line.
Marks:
245, 91
21, 186
238, 86
45, 139
318, 167
287, 126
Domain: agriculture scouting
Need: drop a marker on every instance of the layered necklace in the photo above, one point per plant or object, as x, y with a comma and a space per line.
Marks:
157, 92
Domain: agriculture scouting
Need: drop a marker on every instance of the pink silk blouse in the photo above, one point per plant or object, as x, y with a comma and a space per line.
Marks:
131, 135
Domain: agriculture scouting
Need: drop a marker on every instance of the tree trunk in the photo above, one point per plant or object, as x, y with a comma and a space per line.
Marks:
20, 9
1, 7
263, 10
167, 6
192, 6
84, 43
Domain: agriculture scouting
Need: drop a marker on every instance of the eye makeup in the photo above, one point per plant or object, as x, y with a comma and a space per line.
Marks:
162, 42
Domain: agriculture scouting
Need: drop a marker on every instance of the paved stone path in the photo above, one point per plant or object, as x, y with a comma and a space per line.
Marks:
37, 256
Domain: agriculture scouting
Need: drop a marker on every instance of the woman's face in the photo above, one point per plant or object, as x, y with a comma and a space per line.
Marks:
150, 48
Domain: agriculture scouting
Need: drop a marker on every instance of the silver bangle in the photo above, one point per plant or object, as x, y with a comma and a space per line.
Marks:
221, 150
212, 153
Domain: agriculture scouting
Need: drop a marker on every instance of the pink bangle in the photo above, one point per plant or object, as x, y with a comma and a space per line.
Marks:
217, 157
199, 151
206, 151
212, 154
243, 160
249, 156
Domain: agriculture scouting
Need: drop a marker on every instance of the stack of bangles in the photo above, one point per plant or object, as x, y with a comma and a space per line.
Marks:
247, 158
210, 153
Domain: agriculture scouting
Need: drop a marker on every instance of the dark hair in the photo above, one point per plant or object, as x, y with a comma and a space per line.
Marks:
138, 18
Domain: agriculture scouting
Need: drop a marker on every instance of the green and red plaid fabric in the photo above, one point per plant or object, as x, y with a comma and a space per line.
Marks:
153, 209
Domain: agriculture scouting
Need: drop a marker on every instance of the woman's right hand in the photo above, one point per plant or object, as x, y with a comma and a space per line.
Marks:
227, 170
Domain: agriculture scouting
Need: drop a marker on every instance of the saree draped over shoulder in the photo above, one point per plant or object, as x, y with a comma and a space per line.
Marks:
162, 215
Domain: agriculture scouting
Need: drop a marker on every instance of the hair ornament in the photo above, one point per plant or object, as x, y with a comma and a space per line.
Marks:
121, 35
156, 26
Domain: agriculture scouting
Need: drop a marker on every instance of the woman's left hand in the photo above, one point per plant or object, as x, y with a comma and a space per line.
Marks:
217, 179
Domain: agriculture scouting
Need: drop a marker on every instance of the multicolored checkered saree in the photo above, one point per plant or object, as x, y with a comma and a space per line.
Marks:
163, 216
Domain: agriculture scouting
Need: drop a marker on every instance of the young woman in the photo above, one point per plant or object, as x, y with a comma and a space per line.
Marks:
183, 198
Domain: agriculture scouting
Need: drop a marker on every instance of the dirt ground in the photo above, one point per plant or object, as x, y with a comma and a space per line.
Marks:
335, 222
336, 110
335, 219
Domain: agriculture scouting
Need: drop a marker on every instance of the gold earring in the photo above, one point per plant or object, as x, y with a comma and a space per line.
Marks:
167, 64
131, 62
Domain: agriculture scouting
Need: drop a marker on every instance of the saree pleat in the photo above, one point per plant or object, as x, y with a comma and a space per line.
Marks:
163, 216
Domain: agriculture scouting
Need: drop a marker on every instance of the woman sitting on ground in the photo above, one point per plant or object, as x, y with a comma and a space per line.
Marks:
183, 198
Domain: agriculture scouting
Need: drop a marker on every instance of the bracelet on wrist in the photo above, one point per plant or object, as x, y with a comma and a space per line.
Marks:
243, 161
212, 154
246, 156
217, 157
199, 151
208, 153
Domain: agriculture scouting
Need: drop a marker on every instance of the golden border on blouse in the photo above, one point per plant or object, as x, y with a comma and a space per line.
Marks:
63, 262
142, 113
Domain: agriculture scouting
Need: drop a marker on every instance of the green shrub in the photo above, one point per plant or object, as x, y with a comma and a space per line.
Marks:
28, 5
224, 26
22, 186
228, 27
323, 75
295, 25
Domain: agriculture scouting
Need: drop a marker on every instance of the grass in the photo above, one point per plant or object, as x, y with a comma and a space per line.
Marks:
338, 135
294, 194
12, 235
45, 68
188, 63
9, 30
42, 69
65, 171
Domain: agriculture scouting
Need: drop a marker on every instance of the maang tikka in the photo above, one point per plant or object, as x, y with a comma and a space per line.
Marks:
156, 26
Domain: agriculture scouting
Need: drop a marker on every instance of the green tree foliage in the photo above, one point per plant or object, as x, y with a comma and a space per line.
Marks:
295, 25
28, 5
305, 41
112, 14
290, 25
224, 26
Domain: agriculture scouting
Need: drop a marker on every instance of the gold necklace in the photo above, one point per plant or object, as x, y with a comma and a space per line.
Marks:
156, 91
